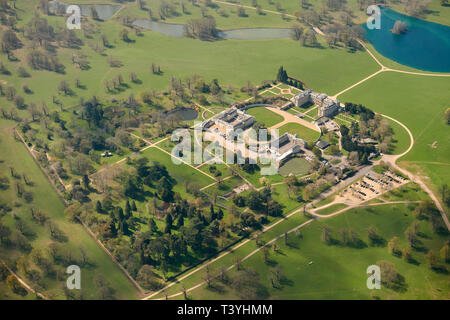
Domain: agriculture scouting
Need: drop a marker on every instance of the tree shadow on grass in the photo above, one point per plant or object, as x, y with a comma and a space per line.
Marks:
440, 269
216, 287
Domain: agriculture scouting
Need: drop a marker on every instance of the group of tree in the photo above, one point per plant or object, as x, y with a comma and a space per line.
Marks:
260, 202
203, 29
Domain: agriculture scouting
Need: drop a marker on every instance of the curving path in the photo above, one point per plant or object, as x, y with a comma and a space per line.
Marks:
383, 68
289, 118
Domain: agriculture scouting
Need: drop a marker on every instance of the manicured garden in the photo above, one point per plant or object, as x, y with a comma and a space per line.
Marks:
266, 116
302, 132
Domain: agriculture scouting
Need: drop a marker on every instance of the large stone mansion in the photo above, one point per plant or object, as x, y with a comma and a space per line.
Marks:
327, 106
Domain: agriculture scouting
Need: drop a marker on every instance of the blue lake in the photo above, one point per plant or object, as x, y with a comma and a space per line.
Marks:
425, 46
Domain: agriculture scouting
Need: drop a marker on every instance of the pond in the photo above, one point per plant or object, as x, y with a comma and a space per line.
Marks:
181, 114
105, 11
177, 30
424, 46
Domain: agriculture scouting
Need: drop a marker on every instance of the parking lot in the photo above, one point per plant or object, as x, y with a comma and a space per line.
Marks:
371, 186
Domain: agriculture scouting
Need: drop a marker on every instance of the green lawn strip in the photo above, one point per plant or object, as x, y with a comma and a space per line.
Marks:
226, 186
325, 201
225, 15
303, 132
181, 170
266, 116
288, 200
410, 191
296, 166
331, 209
220, 167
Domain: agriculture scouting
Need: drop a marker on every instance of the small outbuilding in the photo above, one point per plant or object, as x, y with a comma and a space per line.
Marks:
322, 144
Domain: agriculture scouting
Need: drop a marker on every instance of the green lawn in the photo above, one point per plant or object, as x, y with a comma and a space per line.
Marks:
339, 272
332, 209
182, 171
296, 166
303, 132
47, 200
217, 59
266, 116
418, 102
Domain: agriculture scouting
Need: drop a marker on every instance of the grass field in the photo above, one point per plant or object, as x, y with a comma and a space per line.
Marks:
303, 132
339, 272
436, 12
47, 201
296, 166
418, 102
266, 116
181, 171
211, 60
331, 209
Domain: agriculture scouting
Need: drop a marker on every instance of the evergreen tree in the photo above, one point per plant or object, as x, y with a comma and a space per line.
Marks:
180, 221
112, 229
213, 213
86, 181
124, 227
133, 206
152, 225
280, 74
127, 209
169, 222
98, 207
219, 214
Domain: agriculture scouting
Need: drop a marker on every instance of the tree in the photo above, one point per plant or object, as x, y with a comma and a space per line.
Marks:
406, 254
389, 275
241, 12
415, 7
98, 207
393, 246
148, 278
10, 41
19, 102
169, 222
326, 234
444, 191
296, 32
276, 276
411, 237
123, 34
445, 253
4, 183
203, 29
64, 87
374, 236
152, 226
14, 285
86, 181
247, 286
94, 13
282, 75
447, 115
432, 259
399, 27
317, 152
309, 38
266, 254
